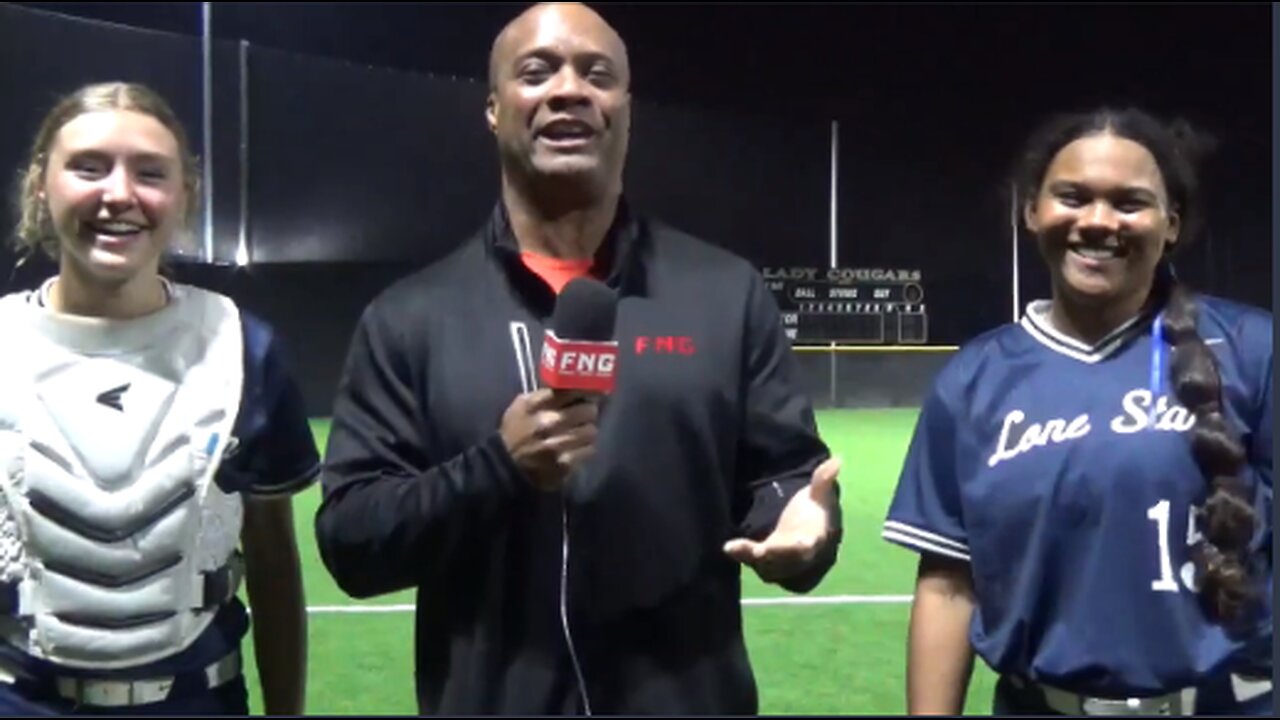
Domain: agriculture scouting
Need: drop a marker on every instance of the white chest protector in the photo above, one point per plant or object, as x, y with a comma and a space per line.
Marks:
115, 543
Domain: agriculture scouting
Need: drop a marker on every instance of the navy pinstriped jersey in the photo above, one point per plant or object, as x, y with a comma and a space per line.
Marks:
1050, 467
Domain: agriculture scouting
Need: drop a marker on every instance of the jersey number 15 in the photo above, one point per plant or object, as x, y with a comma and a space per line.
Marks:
1159, 513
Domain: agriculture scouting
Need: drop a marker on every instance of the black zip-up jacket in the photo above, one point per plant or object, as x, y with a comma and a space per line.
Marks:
614, 596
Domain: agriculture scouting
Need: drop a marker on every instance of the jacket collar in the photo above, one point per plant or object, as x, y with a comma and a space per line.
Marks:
621, 252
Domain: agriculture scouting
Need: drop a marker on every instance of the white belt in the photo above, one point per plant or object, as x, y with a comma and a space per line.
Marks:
1181, 702
100, 692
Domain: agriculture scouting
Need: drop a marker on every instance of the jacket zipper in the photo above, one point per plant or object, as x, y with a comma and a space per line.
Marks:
529, 383
564, 607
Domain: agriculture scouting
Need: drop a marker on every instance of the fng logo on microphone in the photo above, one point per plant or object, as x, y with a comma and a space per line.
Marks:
578, 363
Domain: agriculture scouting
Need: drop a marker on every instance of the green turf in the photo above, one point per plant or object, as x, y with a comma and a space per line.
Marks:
830, 659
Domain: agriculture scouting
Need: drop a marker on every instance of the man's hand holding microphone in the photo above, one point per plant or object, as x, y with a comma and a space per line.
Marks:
551, 431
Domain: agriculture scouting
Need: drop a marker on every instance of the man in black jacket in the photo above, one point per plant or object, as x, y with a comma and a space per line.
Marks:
585, 557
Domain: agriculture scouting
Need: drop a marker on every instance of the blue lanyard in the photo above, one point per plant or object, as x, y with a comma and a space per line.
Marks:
1157, 363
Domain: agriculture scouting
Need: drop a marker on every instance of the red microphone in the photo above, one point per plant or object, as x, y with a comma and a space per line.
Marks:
578, 349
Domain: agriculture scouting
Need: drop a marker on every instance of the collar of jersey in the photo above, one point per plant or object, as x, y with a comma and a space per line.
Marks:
41, 296
104, 336
1036, 322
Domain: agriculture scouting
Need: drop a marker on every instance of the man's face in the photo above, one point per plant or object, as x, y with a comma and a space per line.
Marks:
560, 105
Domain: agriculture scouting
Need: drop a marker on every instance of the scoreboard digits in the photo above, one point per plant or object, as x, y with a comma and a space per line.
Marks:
867, 306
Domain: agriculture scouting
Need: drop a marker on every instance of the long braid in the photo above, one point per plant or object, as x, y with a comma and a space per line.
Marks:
1227, 519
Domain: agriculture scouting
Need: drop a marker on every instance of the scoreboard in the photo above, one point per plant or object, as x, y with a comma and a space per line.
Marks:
866, 306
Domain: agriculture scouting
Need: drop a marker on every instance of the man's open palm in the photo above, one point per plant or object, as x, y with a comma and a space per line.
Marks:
802, 530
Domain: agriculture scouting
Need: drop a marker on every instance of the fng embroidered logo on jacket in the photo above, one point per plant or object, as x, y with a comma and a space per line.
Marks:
665, 345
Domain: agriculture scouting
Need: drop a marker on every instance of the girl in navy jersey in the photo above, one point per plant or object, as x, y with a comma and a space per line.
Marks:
1090, 488
150, 443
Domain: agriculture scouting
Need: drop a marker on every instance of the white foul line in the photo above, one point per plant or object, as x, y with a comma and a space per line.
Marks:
831, 600
360, 608
798, 600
